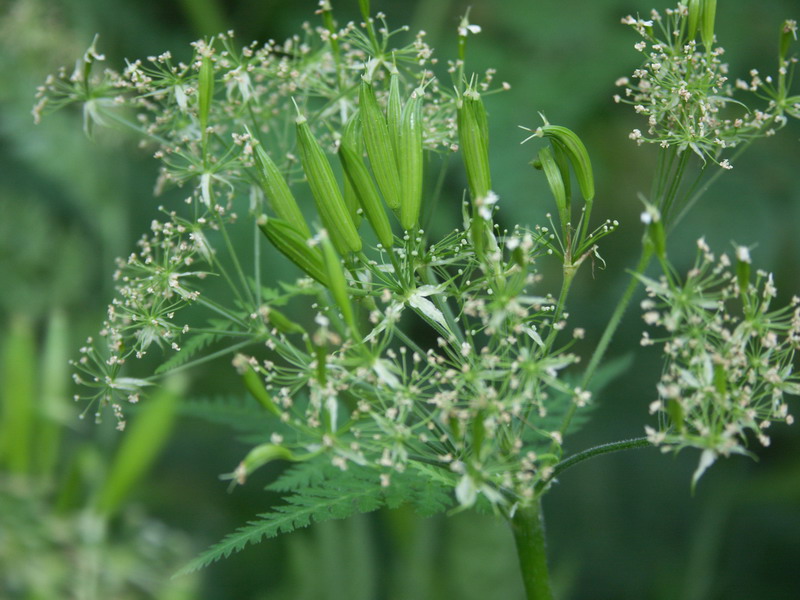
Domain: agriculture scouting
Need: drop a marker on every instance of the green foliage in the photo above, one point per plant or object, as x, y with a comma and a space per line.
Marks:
322, 493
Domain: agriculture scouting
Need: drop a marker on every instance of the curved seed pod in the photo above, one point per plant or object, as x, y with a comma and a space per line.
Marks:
205, 92
562, 160
278, 193
379, 146
556, 183
282, 323
325, 190
577, 154
254, 384
258, 457
294, 246
410, 161
707, 19
338, 285
473, 137
356, 172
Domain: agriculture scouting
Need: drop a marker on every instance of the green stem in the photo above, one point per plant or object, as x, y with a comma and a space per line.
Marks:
641, 442
527, 526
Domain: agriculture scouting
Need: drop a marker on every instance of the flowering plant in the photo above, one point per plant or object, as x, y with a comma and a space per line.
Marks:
405, 368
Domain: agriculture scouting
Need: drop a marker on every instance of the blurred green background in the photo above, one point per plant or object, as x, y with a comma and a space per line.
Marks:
621, 526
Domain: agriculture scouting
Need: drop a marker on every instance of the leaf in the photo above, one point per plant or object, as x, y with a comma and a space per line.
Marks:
349, 495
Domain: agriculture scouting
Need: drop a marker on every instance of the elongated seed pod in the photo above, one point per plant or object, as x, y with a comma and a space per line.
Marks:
410, 161
294, 246
394, 113
278, 193
357, 173
707, 22
379, 146
577, 154
282, 323
351, 201
562, 160
205, 92
338, 284
325, 190
695, 8
253, 384
473, 137
556, 183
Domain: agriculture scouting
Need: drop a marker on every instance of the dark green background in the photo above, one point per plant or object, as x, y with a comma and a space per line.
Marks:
622, 526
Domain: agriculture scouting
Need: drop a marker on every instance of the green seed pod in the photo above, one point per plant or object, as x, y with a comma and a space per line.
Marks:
707, 19
473, 137
258, 457
394, 113
379, 146
364, 5
695, 8
338, 284
351, 202
205, 93
556, 183
253, 384
577, 154
356, 172
410, 161
325, 190
562, 160
278, 193
787, 36
294, 246
282, 323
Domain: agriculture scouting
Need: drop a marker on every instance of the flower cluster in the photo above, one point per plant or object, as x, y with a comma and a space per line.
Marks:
683, 90
205, 143
479, 403
730, 356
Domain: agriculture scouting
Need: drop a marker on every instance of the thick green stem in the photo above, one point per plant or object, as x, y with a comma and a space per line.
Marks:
527, 525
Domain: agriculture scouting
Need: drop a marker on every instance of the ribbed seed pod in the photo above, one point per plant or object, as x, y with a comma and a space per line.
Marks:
351, 201
394, 112
410, 161
379, 146
338, 284
695, 8
325, 190
278, 193
473, 137
556, 183
205, 93
577, 154
254, 385
356, 172
707, 22
294, 246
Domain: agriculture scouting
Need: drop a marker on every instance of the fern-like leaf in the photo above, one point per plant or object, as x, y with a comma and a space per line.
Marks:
346, 496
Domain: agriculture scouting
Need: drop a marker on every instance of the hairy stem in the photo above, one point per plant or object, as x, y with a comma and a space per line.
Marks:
527, 525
